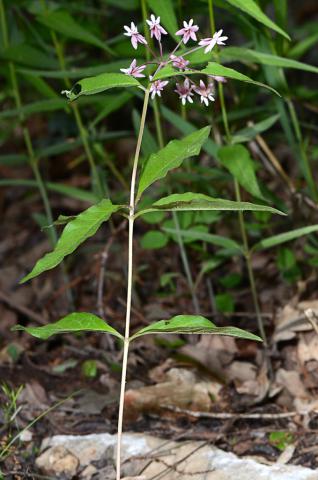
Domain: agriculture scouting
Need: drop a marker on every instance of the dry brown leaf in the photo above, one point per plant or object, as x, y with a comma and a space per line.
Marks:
292, 382
292, 319
307, 348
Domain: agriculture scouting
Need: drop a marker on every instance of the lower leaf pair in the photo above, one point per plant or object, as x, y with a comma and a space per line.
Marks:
182, 324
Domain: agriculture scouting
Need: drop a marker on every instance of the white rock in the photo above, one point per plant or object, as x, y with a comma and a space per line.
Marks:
188, 460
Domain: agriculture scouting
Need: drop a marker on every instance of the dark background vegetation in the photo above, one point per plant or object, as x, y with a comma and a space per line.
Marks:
100, 130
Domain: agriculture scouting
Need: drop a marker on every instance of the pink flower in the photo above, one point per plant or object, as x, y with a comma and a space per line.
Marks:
210, 43
218, 79
136, 37
185, 91
205, 92
179, 62
133, 70
188, 31
157, 87
155, 28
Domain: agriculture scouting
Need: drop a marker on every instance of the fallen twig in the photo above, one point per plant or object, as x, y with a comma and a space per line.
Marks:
227, 416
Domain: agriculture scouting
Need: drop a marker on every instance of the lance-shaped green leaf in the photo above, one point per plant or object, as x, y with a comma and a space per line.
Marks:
189, 324
62, 22
76, 232
247, 134
241, 54
251, 8
217, 240
28, 55
237, 159
214, 69
199, 201
284, 237
101, 83
75, 322
164, 10
171, 156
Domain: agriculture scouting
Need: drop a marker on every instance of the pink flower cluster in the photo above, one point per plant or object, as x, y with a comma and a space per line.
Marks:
187, 88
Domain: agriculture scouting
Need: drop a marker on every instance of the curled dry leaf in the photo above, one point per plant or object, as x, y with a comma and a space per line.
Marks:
292, 319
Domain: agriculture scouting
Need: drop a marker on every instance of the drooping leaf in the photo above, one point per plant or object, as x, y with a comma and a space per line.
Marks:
189, 324
284, 237
198, 201
28, 55
76, 232
241, 54
237, 159
48, 105
214, 69
74, 322
61, 21
171, 156
251, 8
101, 83
67, 190
219, 70
217, 240
114, 102
164, 9
76, 73
247, 134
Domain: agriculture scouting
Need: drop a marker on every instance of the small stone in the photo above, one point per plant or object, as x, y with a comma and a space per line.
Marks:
26, 436
58, 461
88, 472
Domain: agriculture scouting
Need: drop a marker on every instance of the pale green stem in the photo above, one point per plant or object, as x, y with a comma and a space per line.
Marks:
132, 205
248, 253
248, 257
33, 160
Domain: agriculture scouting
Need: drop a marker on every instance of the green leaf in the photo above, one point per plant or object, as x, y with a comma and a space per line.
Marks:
114, 102
186, 128
74, 322
62, 22
171, 156
237, 159
27, 55
188, 324
77, 72
212, 69
164, 9
242, 54
217, 240
72, 192
284, 237
89, 368
224, 303
154, 240
251, 8
76, 232
219, 70
247, 134
100, 83
39, 106
198, 201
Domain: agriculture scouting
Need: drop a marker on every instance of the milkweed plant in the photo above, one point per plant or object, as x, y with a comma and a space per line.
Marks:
163, 69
